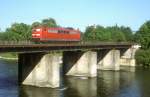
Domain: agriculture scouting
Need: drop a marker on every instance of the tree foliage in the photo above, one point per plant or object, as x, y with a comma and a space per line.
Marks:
36, 24
142, 36
18, 31
49, 22
116, 34
143, 57
113, 33
127, 33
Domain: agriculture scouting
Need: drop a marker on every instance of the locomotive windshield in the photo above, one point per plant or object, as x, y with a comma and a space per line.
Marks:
36, 30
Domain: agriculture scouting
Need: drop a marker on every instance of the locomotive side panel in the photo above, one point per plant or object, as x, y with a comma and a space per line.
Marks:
59, 34
63, 34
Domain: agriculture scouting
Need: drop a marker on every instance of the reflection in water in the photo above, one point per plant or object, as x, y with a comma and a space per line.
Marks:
29, 91
125, 83
82, 86
108, 83
118, 84
128, 69
76, 88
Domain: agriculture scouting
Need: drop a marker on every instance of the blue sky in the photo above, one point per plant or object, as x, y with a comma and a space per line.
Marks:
76, 13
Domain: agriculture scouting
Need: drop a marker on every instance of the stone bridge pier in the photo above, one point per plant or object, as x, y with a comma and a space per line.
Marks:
43, 69
39, 69
108, 59
80, 63
128, 56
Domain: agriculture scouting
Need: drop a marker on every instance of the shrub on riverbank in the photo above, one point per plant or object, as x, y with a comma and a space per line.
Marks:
9, 55
143, 57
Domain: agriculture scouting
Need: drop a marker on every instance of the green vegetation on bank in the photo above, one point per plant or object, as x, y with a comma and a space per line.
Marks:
22, 32
110, 33
8, 56
142, 36
143, 57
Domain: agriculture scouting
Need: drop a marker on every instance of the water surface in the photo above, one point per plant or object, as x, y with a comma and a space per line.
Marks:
128, 82
8, 79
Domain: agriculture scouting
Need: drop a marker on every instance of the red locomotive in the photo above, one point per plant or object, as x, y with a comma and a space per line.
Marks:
44, 34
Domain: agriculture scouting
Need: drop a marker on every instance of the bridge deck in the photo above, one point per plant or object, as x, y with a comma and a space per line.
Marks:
30, 47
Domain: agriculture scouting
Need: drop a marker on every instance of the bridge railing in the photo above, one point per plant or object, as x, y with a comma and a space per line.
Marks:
16, 42
63, 43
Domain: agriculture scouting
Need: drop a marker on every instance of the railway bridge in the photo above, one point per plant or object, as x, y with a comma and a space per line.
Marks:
39, 64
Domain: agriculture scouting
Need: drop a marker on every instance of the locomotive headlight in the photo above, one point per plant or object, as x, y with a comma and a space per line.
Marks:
37, 34
33, 34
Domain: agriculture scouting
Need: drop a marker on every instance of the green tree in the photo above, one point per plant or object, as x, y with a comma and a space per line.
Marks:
143, 57
100, 33
1, 35
11, 36
18, 31
116, 34
96, 33
127, 33
35, 24
89, 35
142, 36
50, 22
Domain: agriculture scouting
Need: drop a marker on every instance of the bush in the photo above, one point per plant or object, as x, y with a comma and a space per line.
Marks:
143, 57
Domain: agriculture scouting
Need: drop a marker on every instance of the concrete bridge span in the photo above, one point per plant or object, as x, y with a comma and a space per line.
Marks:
39, 64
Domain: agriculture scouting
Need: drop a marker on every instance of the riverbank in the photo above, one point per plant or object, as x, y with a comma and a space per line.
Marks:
9, 56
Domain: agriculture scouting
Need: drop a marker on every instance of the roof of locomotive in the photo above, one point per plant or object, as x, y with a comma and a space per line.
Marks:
58, 28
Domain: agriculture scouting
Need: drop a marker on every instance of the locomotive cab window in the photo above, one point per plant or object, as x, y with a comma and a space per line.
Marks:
38, 30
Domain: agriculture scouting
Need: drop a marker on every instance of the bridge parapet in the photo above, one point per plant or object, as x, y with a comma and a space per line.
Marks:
29, 46
63, 42
16, 42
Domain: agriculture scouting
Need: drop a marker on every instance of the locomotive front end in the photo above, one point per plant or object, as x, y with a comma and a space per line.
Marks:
36, 34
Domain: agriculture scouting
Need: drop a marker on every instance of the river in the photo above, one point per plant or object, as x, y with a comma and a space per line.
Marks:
128, 82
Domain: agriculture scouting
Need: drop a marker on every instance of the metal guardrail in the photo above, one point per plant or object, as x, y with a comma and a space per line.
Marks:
64, 43
29, 46
16, 42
